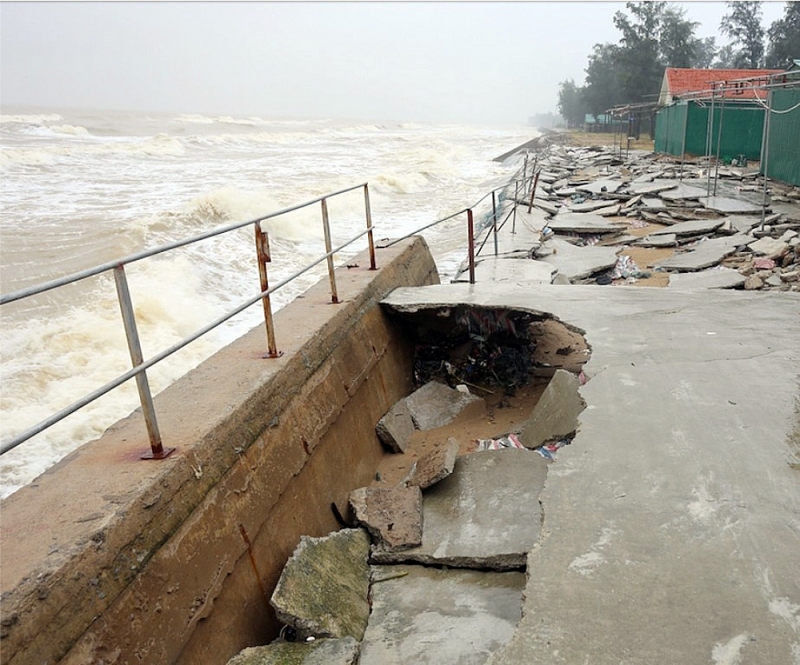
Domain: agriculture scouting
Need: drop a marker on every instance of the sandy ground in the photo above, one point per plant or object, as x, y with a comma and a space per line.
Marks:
496, 416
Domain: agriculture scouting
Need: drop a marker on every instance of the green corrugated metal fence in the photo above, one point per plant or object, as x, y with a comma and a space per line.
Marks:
742, 129
783, 162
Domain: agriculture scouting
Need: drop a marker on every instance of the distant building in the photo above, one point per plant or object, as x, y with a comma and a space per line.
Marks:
680, 83
722, 113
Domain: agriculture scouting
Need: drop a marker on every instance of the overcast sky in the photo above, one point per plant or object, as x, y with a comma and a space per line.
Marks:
490, 63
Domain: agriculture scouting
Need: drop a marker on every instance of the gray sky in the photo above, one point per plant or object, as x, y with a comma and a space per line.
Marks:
479, 62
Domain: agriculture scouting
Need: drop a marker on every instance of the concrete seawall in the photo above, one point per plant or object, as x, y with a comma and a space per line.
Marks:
110, 559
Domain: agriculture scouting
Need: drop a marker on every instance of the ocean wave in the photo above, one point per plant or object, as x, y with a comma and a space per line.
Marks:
31, 119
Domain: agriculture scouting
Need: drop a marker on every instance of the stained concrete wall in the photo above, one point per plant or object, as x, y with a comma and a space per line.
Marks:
110, 559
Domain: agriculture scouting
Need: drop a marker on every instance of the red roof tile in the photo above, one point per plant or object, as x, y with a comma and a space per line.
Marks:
682, 81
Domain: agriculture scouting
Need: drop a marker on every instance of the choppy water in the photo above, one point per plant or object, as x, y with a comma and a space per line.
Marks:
82, 188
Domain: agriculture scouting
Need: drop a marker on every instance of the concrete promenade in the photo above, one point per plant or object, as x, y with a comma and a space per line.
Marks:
672, 523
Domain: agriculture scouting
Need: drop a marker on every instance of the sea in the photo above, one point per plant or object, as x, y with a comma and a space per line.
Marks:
82, 188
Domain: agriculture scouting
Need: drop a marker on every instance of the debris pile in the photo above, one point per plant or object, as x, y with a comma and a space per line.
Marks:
652, 218
455, 532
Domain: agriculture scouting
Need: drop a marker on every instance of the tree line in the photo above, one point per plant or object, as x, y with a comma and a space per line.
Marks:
655, 35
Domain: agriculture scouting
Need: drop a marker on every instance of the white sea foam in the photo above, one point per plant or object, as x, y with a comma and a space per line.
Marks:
73, 198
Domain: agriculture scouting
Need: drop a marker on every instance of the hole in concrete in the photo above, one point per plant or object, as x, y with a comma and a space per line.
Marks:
491, 349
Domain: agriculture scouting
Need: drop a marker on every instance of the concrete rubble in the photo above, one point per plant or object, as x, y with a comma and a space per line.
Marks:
597, 202
555, 415
435, 404
392, 515
322, 591
344, 651
485, 515
396, 427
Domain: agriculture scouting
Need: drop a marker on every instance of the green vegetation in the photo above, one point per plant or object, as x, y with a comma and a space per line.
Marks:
655, 35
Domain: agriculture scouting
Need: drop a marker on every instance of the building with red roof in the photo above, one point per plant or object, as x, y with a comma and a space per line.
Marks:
683, 83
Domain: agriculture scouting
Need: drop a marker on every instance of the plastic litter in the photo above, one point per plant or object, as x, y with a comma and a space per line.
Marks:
510, 441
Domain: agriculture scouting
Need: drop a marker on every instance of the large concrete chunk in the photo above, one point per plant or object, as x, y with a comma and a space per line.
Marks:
436, 405
512, 270
683, 191
343, 651
485, 515
322, 591
396, 427
435, 466
582, 222
578, 262
694, 227
769, 247
555, 415
723, 278
706, 254
653, 187
428, 616
730, 206
392, 515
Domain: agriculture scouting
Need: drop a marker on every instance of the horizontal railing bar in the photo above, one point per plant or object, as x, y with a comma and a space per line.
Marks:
91, 272
455, 214
115, 383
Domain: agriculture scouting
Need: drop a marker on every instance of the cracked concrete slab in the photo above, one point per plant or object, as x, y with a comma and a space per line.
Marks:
395, 428
578, 262
556, 414
691, 228
435, 405
484, 515
705, 254
435, 466
322, 591
723, 278
583, 222
684, 191
512, 270
655, 187
730, 206
672, 522
430, 616
392, 515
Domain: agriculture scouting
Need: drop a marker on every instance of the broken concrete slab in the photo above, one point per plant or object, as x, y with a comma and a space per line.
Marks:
589, 206
516, 271
663, 240
692, 228
344, 651
579, 262
723, 278
396, 427
392, 515
730, 206
555, 415
435, 466
601, 186
574, 222
429, 616
485, 515
654, 187
322, 591
684, 191
705, 254
769, 247
436, 405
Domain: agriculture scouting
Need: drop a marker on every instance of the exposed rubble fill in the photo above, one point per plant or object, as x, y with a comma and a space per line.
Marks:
490, 348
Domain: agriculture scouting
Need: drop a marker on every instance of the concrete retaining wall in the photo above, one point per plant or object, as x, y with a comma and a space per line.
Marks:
110, 559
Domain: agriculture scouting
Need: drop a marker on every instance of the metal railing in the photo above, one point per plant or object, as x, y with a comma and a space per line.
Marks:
139, 364
524, 182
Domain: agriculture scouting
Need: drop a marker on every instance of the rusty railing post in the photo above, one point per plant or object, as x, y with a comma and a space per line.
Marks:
157, 450
533, 190
328, 249
471, 243
494, 220
372, 265
264, 257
